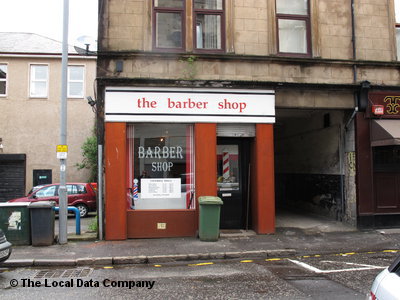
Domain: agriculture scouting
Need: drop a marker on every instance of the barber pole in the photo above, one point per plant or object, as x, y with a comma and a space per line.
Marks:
135, 193
225, 160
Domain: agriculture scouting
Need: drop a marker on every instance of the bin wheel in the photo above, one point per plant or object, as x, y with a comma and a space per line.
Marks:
83, 210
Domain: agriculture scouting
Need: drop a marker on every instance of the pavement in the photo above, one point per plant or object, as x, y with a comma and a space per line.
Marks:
304, 238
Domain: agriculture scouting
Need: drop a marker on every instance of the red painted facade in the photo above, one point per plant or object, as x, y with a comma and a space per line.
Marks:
122, 223
378, 193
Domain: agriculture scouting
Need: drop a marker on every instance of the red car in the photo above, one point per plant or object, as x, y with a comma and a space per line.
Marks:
80, 195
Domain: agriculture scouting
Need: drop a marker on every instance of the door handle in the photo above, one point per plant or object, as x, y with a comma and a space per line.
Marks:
226, 195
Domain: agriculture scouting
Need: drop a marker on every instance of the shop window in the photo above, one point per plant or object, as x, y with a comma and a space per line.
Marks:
293, 26
3, 79
39, 81
76, 81
386, 158
160, 166
168, 24
397, 18
209, 20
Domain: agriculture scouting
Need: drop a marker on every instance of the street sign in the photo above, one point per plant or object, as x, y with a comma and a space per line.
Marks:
62, 151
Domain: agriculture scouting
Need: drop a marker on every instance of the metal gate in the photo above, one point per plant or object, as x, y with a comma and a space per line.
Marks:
12, 176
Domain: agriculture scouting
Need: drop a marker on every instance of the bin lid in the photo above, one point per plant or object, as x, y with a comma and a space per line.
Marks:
211, 200
14, 204
41, 204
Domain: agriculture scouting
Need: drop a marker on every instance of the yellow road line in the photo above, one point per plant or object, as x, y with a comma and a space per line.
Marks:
201, 264
348, 253
283, 258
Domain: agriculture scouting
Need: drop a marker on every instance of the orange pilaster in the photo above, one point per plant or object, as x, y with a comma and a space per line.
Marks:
263, 187
115, 181
206, 160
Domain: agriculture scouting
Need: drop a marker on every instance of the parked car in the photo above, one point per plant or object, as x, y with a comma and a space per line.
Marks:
386, 284
5, 247
80, 195
35, 188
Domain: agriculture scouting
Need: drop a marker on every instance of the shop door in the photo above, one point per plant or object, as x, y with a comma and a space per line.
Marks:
232, 180
387, 179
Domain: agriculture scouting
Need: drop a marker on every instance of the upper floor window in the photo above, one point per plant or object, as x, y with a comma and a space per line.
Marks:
39, 81
3, 79
293, 25
171, 17
76, 81
397, 15
208, 24
168, 18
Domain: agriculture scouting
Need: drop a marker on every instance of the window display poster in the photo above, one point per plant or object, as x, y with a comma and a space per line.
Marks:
160, 188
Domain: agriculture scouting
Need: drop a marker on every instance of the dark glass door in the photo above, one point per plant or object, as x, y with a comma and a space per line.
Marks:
41, 177
232, 182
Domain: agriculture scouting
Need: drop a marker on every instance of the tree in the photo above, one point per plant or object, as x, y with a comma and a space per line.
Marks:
89, 161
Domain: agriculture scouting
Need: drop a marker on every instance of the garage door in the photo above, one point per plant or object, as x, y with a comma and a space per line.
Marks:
12, 176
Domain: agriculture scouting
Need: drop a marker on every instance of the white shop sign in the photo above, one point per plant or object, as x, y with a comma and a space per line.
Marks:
160, 187
189, 105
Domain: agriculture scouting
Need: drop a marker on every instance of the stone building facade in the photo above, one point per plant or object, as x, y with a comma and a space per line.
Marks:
322, 61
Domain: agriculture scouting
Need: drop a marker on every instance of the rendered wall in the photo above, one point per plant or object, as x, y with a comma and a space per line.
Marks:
32, 126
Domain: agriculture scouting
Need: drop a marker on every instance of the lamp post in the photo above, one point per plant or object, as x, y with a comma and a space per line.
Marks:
62, 238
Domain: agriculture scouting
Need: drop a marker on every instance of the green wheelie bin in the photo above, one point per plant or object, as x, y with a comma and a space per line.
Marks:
15, 222
210, 210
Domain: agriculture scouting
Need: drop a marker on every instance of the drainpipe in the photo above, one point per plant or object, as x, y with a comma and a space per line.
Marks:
353, 40
340, 215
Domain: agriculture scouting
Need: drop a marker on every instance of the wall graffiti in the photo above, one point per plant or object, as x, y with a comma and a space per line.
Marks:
351, 162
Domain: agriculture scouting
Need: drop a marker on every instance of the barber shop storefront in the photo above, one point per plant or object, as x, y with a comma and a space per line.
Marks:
378, 161
166, 147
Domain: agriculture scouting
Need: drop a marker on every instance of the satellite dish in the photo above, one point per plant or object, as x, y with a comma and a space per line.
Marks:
86, 39
87, 42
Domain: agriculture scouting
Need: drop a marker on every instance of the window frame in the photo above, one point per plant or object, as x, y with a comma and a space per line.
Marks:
396, 27
216, 12
31, 81
5, 80
182, 12
76, 81
295, 17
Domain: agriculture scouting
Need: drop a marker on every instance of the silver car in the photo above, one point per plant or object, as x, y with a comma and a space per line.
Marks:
5, 247
386, 285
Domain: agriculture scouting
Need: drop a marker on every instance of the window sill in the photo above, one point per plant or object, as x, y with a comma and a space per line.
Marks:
169, 50
210, 51
39, 98
76, 98
295, 55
